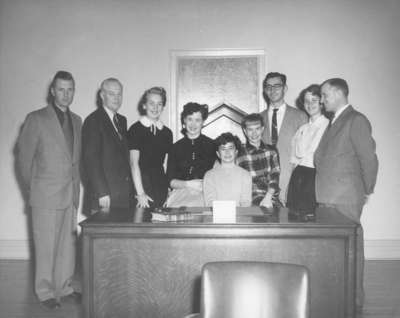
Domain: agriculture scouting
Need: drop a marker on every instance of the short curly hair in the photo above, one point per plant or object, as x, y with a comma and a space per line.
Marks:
224, 138
191, 108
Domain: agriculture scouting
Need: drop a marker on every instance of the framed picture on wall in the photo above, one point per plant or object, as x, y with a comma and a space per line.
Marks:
228, 81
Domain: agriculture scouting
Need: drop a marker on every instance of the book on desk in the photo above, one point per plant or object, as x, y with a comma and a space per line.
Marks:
183, 214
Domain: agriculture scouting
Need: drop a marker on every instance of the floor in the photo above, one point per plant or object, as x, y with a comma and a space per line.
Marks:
382, 285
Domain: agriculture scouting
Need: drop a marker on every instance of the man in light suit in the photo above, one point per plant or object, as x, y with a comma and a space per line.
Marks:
48, 158
105, 153
346, 164
281, 123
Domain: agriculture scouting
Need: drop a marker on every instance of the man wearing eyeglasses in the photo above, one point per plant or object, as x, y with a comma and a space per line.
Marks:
281, 123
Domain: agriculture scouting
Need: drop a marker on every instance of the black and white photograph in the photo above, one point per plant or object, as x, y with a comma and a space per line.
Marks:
199, 159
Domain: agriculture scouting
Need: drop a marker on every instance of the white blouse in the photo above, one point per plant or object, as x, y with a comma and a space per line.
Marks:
306, 140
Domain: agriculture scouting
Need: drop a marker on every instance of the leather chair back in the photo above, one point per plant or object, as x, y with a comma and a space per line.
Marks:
254, 290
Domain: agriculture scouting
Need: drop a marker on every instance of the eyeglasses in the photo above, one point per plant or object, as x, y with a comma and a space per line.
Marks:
273, 87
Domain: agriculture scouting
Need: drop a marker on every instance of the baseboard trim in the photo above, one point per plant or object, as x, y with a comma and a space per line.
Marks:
15, 249
374, 249
382, 249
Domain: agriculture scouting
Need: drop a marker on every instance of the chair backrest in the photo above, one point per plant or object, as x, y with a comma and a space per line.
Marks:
254, 290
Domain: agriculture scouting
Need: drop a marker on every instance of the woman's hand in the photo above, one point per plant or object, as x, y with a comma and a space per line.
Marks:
143, 200
195, 184
105, 203
267, 201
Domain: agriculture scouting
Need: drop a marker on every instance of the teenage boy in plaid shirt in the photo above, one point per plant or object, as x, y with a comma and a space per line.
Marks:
262, 161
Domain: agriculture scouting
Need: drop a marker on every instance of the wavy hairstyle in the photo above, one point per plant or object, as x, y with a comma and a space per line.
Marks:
191, 108
157, 90
224, 138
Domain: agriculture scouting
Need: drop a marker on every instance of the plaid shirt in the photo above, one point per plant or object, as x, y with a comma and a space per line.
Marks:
263, 165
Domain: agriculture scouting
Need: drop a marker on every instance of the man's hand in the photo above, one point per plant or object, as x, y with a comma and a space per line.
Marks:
195, 184
104, 203
267, 201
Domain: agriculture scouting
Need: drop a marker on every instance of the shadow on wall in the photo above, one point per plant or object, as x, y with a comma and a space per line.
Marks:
23, 187
24, 193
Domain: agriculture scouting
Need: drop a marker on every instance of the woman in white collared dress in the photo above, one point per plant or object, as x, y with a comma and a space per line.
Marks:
301, 190
149, 141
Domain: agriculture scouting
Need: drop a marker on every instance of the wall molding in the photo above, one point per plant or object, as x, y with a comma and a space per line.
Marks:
382, 249
15, 249
374, 249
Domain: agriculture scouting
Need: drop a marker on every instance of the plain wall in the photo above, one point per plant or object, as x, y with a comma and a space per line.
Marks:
309, 40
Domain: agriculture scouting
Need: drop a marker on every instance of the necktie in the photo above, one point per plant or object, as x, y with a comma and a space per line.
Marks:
68, 133
331, 118
116, 123
153, 129
274, 128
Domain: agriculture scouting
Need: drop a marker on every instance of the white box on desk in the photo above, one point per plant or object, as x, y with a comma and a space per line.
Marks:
224, 211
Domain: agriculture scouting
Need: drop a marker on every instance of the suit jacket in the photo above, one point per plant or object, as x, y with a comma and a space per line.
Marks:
105, 160
48, 170
292, 120
346, 161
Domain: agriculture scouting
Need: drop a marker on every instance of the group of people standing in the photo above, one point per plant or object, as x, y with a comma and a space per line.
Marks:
289, 159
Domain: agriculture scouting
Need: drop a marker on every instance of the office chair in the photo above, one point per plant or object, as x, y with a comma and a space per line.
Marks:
254, 290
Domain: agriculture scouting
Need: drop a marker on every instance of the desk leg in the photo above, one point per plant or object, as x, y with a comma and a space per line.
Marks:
351, 273
87, 257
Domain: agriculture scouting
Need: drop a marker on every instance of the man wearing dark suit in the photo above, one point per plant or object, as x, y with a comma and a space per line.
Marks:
281, 123
346, 164
105, 154
48, 157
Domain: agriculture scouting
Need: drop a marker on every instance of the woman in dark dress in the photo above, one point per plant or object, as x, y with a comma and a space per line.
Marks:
149, 141
190, 158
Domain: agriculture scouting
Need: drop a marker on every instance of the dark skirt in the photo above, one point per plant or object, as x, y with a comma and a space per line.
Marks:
155, 184
301, 190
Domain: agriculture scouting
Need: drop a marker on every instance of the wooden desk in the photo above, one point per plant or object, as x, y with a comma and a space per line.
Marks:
136, 268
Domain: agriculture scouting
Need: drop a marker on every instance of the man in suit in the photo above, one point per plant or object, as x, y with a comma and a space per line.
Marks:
281, 123
48, 158
346, 164
105, 153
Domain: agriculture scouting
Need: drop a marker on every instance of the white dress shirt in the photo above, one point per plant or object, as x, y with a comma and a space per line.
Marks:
338, 112
306, 140
111, 114
279, 117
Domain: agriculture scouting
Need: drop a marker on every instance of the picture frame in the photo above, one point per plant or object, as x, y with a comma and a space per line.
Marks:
228, 77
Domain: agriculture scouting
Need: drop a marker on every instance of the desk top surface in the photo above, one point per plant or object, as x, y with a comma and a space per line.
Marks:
252, 216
